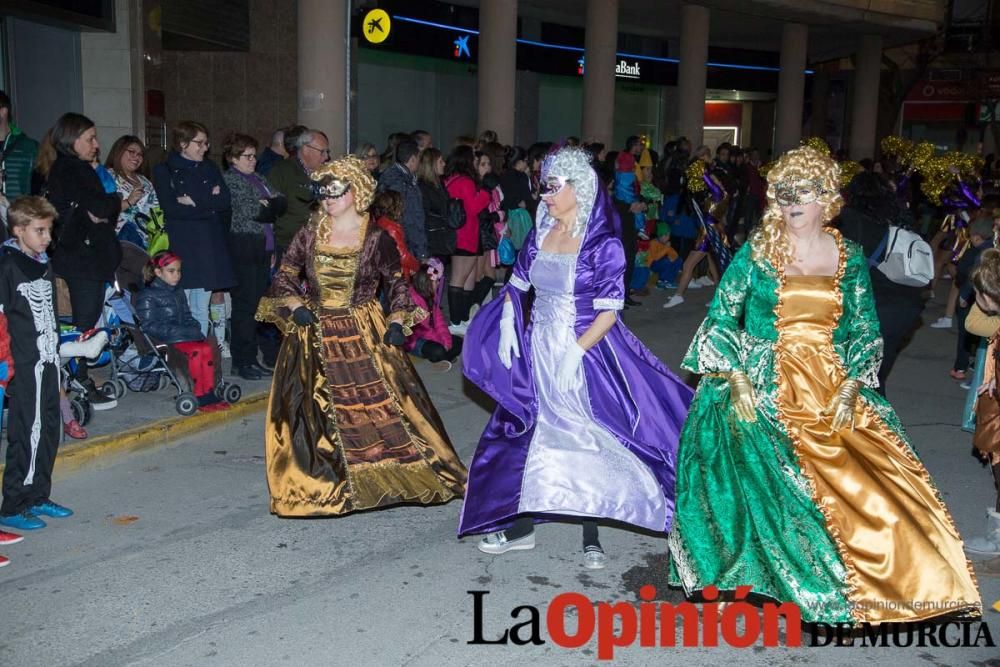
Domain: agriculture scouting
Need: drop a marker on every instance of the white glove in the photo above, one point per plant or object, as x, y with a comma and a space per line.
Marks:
508, 337
567, 375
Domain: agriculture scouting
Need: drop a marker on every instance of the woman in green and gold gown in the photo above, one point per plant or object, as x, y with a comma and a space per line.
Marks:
349, 424
794, 476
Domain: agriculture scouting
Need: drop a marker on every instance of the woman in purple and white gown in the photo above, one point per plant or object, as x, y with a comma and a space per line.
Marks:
587, 419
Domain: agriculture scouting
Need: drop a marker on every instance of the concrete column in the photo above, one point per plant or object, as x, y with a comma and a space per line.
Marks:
864, 105
820, 102
497, 67
791, 87
691, 73
600, 45
323, 39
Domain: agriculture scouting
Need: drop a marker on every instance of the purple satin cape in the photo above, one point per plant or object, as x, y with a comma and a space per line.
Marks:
633, 395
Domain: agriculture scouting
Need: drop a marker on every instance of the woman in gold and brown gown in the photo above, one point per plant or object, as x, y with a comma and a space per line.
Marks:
349, 423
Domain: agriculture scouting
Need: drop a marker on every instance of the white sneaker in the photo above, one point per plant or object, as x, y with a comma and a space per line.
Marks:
941, 323
473, 311
459, 329
706, 281
594, 558
675, 300
497, 543
694, 283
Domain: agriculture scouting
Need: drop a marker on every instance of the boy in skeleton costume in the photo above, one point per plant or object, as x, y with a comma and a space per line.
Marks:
26, 294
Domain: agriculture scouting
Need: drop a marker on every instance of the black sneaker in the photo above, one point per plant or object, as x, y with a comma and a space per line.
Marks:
97, 400
248, 372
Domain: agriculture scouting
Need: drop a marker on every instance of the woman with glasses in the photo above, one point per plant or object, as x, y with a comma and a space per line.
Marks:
127, 163
587, 419
255, 207
795, 478
195, 200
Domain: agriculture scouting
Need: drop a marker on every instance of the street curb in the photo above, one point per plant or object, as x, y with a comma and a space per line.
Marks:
147, 436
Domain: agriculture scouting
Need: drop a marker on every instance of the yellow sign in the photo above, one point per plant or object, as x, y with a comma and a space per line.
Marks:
376, 26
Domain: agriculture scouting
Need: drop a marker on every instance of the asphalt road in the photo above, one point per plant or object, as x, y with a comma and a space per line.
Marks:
173, 558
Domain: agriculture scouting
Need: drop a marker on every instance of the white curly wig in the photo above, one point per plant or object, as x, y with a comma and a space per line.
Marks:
573, 164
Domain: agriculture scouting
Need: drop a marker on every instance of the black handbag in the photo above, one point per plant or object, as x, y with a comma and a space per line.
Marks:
487, 233
441, 241
456, 213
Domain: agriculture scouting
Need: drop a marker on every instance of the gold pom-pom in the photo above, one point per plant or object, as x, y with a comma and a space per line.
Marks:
937, 175
920, 154
896, 146
817, 145
696, 176
848, 170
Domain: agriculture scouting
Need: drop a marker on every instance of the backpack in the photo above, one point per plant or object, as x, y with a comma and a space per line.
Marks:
908, 259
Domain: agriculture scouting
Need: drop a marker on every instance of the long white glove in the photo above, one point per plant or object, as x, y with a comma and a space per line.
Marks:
567, 375
508, 336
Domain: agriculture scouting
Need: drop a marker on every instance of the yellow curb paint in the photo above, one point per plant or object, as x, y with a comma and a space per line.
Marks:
150, 435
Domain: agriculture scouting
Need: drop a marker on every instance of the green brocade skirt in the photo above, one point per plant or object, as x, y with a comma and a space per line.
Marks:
745, 515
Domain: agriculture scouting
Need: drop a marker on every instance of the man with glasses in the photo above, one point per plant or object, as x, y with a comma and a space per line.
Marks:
291, 178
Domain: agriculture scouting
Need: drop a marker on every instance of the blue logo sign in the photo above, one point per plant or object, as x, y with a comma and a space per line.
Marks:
462, 47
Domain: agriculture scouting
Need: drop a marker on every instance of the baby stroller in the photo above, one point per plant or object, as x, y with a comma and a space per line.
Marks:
168, 367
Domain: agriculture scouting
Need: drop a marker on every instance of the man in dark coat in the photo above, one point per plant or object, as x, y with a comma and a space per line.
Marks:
401, 177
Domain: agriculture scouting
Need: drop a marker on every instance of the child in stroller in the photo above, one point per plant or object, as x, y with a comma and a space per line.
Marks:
165, 317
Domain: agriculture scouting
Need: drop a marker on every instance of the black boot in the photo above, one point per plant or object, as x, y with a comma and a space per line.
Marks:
467, 303
456, 298
481, 289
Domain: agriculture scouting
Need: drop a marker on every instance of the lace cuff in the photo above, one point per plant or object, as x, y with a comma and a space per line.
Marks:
520, 284
609, 304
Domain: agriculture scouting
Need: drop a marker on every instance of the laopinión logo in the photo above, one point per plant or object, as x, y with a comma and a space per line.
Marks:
654, 625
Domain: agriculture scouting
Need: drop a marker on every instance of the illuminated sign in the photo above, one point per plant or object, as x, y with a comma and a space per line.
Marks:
462, 47
376, 26
623, 69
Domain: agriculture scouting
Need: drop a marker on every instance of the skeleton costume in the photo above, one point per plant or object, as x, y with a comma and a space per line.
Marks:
34, 423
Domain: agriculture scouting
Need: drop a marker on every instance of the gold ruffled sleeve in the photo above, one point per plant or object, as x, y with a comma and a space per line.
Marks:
287, 286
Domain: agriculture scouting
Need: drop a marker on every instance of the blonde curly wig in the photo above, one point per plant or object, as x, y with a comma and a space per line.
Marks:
351, 169
800, 164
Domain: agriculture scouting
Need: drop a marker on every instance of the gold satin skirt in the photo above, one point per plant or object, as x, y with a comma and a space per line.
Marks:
350, 425
899, 544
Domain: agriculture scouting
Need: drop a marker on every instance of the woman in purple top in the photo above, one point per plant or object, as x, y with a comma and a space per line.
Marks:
587, 419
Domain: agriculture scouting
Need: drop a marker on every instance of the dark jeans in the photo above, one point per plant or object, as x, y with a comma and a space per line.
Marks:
435, 352
966, 341
630, 241
86, 298
250, 264
897, 320
524, 525
18, 492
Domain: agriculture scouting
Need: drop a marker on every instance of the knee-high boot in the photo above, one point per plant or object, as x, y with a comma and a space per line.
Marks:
481, 289
456, 301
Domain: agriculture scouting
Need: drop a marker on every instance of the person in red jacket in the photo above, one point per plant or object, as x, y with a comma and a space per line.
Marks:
431, 338
387, 211
6, 373
462, 181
